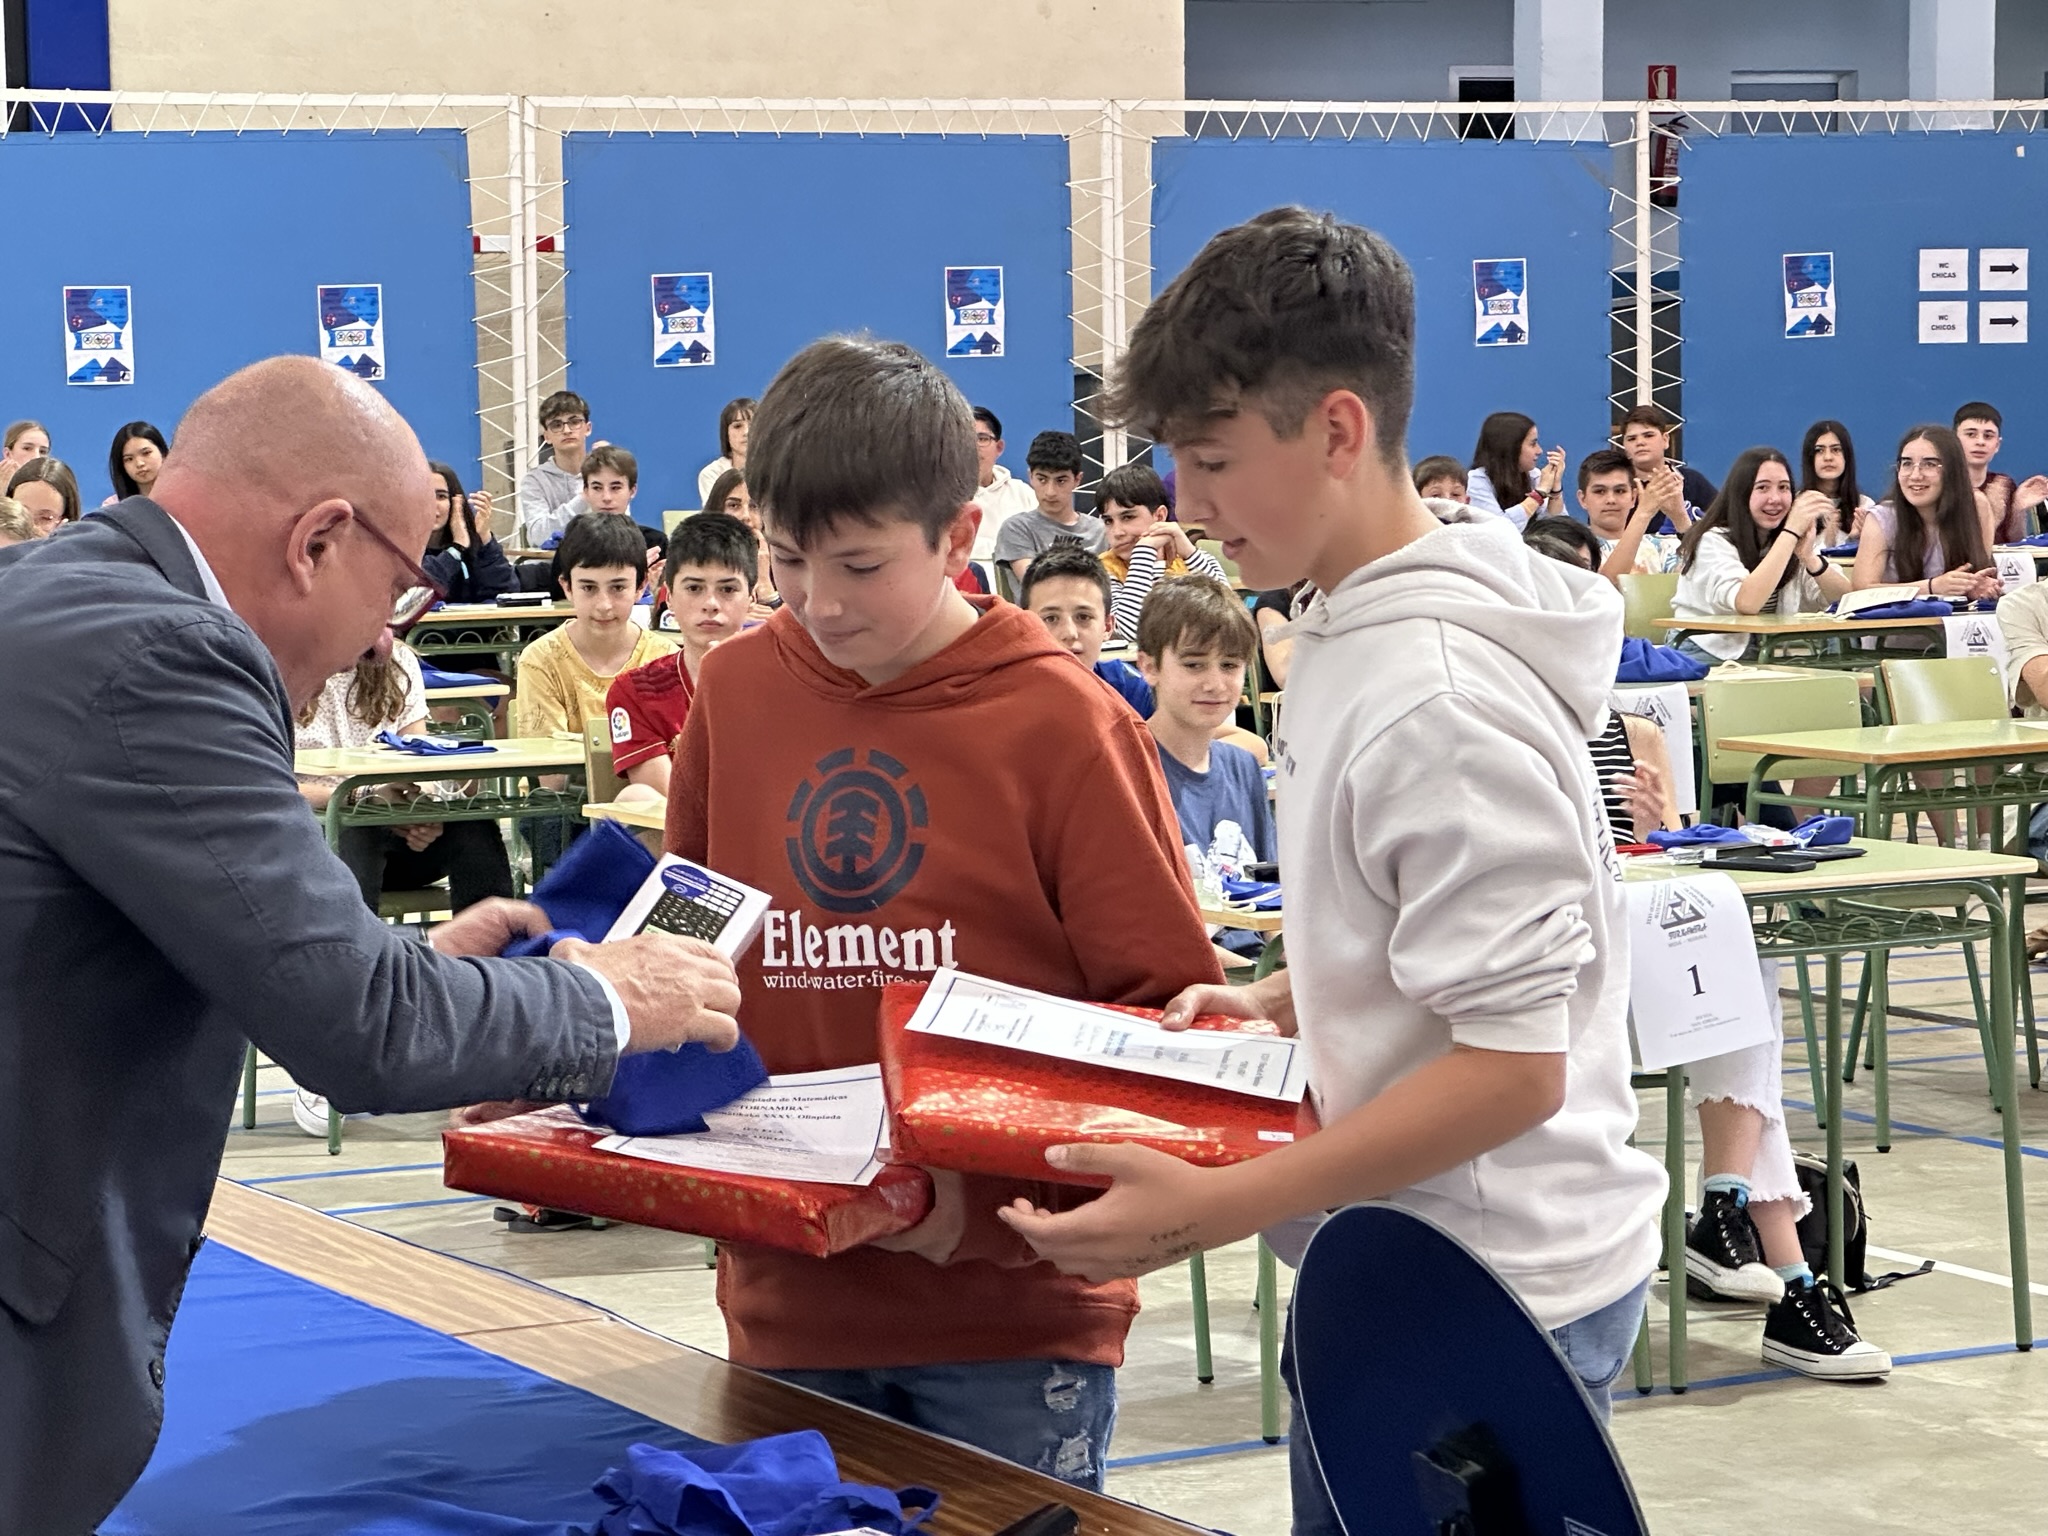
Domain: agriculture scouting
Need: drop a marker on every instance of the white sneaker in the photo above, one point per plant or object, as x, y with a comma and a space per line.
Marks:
310, 1111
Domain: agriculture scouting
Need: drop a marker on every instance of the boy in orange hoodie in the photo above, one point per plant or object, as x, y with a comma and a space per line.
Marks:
920, 780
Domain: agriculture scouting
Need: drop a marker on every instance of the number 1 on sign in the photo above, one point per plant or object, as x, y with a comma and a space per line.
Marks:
1697, 989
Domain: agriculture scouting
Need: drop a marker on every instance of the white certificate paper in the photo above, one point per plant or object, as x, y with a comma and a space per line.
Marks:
818, 1127
991, 1013
1694, 983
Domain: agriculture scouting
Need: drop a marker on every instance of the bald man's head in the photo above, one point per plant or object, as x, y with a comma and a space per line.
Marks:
278, 473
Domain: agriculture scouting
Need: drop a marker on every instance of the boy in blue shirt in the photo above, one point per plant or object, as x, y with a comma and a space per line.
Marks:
1195, 641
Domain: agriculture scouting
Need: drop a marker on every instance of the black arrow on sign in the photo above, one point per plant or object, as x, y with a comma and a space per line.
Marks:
2004, 320
2014, 268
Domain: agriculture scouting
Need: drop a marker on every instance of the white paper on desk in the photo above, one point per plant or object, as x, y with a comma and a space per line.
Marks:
1694, 984
2015, 571
1977, 634
1668, 707
991, 1013
819, 1127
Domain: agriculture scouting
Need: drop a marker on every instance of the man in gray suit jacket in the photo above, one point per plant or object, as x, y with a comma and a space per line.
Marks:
164, 896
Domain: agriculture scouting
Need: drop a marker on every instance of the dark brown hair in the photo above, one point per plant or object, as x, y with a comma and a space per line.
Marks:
614, 458
1845, 494
1066, 560
1272, 316
1730, 514
1955, 512
376, 692
117, 469
1499, 453
1438, 466
732, 412
1196, 613
858, 428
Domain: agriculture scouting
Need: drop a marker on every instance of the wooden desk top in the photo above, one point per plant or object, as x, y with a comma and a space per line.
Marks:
491, 613
652, 817
1741, 672
514, 754
1788, 624
2036, 551
1252, 922
1888, 744
468, 691
1884, 864
697, 1393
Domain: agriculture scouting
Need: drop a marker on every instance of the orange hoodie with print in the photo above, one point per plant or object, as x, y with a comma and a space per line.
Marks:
995, 809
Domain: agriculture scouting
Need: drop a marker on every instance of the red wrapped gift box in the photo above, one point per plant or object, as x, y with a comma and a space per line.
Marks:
544, 1159
975, 1108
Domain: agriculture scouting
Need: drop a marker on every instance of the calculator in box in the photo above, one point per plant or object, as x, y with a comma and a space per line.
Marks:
697, 903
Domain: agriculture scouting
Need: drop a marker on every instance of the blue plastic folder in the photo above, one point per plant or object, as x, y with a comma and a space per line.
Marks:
655, 1093
433, 746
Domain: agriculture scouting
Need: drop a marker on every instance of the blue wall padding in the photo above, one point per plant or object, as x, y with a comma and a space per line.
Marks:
1443, 205
1874, 201
223, 239
805, 237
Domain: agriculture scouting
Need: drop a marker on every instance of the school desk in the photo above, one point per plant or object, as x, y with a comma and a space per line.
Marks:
569, 1341
648, 817
497, 785
485, 627
477, 703
1817, 915
1801, 639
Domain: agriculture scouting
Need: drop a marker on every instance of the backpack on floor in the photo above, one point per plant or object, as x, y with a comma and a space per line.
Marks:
1813, 1227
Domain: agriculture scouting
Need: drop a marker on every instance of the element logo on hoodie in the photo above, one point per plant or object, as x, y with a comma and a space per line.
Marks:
856, 830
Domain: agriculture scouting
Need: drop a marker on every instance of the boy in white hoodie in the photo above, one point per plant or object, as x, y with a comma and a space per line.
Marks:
1458, 955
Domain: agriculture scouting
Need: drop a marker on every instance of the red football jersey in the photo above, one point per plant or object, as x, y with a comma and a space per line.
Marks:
647, 707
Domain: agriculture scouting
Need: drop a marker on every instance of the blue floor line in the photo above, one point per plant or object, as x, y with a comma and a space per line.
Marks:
1624, 1394
399, 1205
1915, 1061
1903, 1127
339, 1173
1154, 1458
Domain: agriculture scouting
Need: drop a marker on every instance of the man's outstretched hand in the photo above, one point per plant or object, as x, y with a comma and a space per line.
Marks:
676, 990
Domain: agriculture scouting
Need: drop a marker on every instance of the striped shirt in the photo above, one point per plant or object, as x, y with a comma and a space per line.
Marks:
1612, 755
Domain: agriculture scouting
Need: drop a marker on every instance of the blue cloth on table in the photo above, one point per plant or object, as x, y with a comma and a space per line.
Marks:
433, 677
290, 1410
552, 541
1824, 831
784, 1485
1840, 552
1259, 895
653, 1093
1912, 608
433, 746
1645, 662
1706, 835
2038, 540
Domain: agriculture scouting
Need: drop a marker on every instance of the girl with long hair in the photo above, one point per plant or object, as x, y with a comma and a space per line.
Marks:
463, 555
134, 460
1506, 479
1928, 529
733, 422
1827, 463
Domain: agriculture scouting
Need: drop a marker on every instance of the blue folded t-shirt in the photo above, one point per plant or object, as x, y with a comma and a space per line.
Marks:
432, 746
1644, 662
433, 677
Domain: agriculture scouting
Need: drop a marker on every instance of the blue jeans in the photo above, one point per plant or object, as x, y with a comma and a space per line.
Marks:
1596, 1346
1053, 1416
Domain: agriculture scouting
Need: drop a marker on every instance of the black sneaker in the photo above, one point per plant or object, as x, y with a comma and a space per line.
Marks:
1724, 1258
1811, 1332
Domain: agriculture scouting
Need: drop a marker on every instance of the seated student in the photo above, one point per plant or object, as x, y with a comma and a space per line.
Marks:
48, 491
610, 477
564, 674
729, 495
1283, 605
463, 555
2007, 509
1756, 550
712, 558
1442, 477
350, 711
16, 525
1937, 541
998, 493
133, 461
1508, 459
1145, 542
734, 420
1055, 462
1070, 592
553, 483
1827, 463
1621, 514
895, 708
1646, 439
1744, 1246
1194, 645
24, 440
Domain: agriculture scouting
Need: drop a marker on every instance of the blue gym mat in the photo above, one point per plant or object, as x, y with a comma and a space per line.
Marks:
291, 1409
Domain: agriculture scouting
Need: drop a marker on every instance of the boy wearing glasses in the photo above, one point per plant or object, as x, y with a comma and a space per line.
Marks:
999, 494
552, 484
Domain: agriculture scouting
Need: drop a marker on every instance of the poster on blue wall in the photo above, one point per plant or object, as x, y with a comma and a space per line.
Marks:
974, 311
685, 332
352, 327
1810, 295
99, 340
1500, 302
